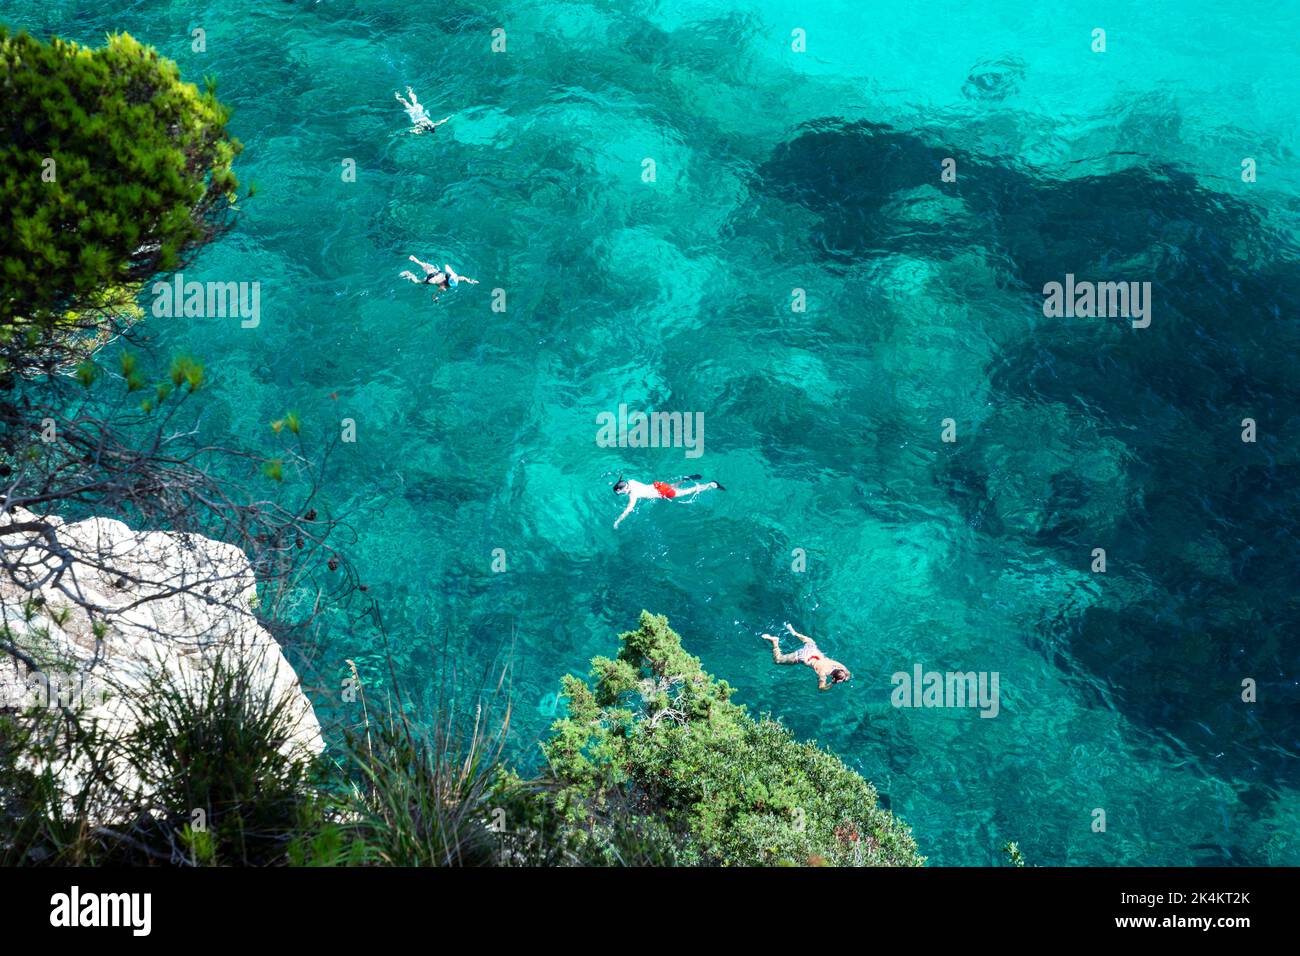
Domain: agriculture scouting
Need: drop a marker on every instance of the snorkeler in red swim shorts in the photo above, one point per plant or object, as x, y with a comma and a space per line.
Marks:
639, 491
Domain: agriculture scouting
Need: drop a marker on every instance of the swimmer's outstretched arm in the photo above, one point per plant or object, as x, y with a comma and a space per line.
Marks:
626, 511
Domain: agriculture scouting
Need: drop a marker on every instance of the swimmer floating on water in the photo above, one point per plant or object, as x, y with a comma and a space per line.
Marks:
421, 122
637, 491
810, 654
443, 278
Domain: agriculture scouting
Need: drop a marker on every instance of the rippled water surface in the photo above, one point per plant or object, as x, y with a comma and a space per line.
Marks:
778, 170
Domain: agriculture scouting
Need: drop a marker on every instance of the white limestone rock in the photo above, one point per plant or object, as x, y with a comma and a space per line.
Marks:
168, 603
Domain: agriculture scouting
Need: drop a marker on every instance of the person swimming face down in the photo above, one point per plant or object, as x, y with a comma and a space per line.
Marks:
639, 491
421, 121
443, 278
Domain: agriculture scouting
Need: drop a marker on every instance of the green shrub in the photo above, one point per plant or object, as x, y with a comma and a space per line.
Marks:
111, 170
210, 751
658, 737
200, 780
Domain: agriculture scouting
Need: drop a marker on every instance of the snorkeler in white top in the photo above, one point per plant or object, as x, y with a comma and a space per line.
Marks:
639, 491
421, 122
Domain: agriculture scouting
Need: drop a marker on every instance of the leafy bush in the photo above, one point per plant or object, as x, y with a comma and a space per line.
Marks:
211, 750
201, 779
111, 170
658, 737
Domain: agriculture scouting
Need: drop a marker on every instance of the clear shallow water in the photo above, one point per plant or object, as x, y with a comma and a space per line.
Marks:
477, 430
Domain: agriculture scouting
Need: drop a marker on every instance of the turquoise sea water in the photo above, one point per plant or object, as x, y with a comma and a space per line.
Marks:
819, 170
